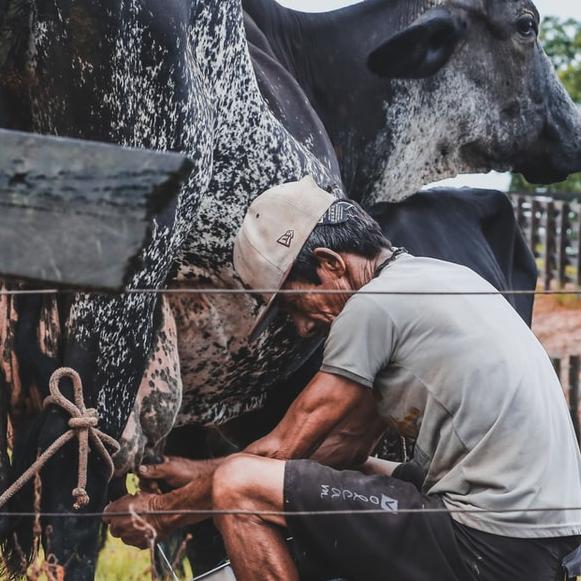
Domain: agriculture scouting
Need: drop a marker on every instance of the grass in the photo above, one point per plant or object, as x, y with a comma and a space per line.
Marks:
118, 562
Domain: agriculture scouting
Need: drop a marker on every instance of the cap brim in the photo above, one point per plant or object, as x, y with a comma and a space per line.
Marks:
269, 313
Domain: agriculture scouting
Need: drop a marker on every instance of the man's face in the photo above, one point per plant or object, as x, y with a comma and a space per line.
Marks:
313, 312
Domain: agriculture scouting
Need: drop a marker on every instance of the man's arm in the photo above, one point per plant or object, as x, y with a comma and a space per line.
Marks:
333, 421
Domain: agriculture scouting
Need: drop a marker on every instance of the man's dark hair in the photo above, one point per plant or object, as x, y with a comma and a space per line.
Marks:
360, 235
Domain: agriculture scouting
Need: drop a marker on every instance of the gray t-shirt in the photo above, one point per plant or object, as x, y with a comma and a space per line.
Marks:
466, 378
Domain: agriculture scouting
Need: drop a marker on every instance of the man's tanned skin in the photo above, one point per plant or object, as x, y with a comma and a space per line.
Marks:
337, 431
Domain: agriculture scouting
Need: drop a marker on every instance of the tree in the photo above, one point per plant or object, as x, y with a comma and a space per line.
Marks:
562, 43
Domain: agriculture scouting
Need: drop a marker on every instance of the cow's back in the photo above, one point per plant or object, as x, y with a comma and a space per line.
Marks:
473, 227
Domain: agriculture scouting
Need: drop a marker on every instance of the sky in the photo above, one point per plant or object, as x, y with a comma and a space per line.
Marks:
561, 8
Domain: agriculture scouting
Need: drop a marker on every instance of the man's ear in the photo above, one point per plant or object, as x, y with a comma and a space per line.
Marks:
420, 50
330, 262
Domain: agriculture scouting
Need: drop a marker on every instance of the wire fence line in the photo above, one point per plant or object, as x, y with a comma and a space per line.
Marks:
245, 512
289, 292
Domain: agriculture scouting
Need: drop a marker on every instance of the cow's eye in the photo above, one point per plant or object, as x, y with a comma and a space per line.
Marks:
527, 26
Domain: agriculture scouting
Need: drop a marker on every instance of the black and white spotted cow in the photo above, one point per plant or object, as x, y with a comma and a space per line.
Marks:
164, 75
174, 75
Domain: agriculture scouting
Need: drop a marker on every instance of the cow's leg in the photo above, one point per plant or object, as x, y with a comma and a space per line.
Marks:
76, 543
75, 540
31, 341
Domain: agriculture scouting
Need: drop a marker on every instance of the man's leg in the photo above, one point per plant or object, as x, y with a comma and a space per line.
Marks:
255, 543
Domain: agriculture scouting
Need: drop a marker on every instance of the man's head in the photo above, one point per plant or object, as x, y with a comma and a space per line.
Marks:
336, 256
325, 244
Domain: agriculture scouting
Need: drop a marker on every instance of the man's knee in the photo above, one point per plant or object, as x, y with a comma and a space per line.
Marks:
235, 482
251, 484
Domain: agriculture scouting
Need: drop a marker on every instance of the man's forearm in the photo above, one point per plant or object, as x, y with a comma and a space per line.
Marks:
197, 494
310, 421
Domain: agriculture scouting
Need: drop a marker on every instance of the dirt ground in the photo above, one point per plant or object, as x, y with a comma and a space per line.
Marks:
557, 324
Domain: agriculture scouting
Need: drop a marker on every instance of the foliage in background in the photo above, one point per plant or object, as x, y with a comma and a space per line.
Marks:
562, 42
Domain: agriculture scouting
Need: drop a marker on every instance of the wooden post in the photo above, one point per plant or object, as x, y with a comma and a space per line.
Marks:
562, 243
520, 212
549, 244
578, 262
534, 226
557, 366
574, 368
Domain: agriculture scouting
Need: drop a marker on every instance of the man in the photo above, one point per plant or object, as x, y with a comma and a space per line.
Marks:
417, 343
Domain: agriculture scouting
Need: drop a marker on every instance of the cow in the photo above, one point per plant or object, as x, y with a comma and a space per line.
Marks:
452, 87
165, 76
173, 76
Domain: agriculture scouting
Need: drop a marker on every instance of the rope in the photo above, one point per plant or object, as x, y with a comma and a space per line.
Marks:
83, 425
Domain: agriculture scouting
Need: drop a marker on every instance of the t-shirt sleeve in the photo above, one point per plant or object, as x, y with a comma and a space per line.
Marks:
361, 341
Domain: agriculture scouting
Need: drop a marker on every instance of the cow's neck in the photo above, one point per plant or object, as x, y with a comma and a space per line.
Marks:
327, 55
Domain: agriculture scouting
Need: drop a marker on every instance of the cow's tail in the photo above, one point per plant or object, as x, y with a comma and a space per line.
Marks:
16, 533
4, 458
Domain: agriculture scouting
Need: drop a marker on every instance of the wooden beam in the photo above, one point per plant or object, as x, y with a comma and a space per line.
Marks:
77, 213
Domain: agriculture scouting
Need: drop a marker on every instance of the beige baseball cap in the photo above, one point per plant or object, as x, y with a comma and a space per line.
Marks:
276, 227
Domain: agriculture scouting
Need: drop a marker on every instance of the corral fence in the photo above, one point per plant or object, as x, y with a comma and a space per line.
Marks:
568, 370
552, 226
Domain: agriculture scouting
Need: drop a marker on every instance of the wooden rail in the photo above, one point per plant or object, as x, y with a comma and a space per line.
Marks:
553, 230
78, 213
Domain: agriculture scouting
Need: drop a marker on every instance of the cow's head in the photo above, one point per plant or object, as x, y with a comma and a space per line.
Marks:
475, 92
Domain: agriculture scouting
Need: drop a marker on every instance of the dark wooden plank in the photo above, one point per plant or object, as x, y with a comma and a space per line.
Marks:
77, 213
562, 242
520, 212
557, 366
533, 233
549, 244
574, 369
578, 244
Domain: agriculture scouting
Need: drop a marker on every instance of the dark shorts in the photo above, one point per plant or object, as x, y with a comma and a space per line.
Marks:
402, 546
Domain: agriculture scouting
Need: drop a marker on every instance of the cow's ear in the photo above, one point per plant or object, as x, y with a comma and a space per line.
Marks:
420, 50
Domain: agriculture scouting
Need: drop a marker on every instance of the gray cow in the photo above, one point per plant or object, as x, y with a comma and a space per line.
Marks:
452, 87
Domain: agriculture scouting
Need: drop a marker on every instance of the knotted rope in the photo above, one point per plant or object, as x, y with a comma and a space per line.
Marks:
83, 425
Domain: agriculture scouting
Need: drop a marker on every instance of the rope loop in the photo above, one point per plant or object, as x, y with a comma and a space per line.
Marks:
82, 424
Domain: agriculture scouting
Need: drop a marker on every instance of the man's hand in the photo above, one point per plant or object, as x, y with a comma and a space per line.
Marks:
138, 529
174, 472
192, 480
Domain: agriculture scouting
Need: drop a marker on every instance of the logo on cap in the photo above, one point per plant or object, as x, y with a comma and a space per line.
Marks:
338, 213
286, 238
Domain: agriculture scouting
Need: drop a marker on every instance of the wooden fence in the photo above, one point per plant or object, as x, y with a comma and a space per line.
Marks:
571, 368
553, 230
